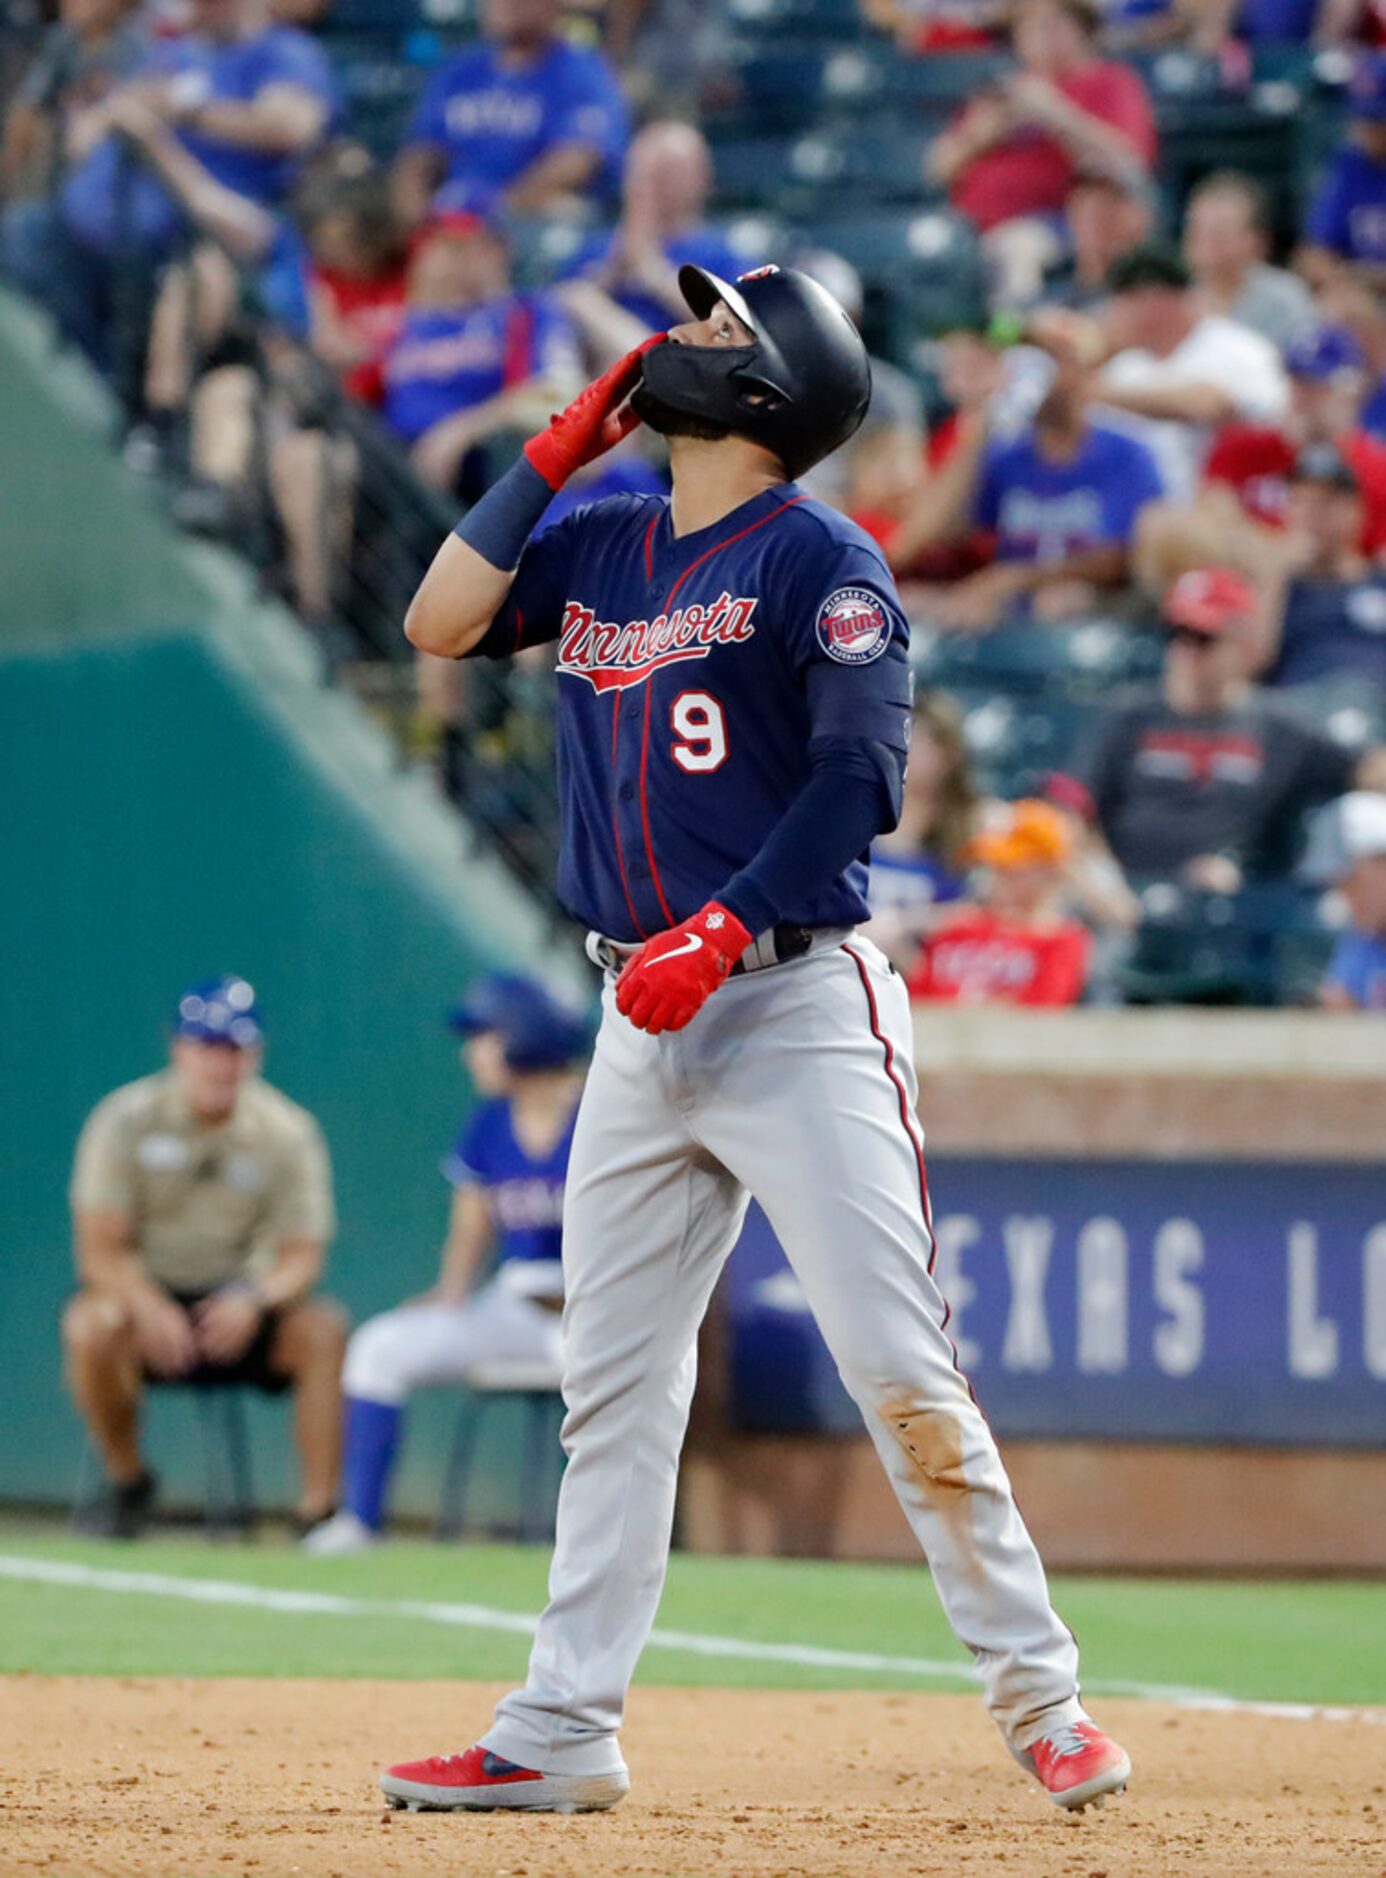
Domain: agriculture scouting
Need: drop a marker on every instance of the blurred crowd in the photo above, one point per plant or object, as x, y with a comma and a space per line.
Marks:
1164, 416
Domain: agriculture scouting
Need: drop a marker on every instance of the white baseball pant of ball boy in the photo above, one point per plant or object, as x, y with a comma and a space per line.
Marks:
794, 1084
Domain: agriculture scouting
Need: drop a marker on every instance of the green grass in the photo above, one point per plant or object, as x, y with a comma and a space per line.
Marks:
1277, 1642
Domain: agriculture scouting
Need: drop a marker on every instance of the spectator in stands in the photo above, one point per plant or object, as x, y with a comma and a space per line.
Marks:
523, 120
1325, 611
1107, 215
1009, 160
1206, 781
921, 865
1356, 975
202, 1209
248, 99
1346, 223
1018, 946
91, 48
1241, 506
473, 357
1061, 501
928, 26
357, 283
499, 1295
624, 282
1177, 372
1227, 236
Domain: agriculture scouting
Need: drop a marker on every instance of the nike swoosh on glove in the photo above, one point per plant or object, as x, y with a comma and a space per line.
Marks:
669, 980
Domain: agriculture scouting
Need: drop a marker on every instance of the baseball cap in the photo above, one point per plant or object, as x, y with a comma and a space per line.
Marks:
1366, 92
219, 1010
1324, 353
1029, 833
1349, 830
1211, 600
1323, 463
536, 1030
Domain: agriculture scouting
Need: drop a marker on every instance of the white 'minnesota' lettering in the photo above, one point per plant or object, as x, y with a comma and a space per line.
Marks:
1374, 1302
1102, 1297
952, 1235
1178, 1254
1028, 1243
1312, 1339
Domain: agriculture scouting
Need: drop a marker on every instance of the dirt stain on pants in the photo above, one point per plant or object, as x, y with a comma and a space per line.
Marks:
934, 1440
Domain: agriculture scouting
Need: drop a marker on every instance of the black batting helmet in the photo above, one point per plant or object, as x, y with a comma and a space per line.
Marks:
801, 389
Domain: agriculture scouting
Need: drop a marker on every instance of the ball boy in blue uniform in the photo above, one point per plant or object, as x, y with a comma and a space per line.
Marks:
732, 720
507, 1170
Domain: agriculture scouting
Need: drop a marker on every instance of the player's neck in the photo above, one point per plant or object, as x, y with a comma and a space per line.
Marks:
713, 478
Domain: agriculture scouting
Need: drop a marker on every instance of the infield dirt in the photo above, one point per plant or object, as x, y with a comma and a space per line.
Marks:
184, 1779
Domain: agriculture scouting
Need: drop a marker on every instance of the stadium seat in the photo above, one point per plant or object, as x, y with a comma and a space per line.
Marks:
804, 19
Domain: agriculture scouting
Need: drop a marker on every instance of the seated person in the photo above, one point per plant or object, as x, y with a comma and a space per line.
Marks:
1018, 946
1107, 213
1174, 372
1346, 221
248, 99
1009, 159
622, 284
1205, 781
940, 25
357, 282
1227, 239
202, 1209
1061, 502
1356, 976
1325, 611
522, 120
1240, 511
472, 357
921, 865
89, 49
507, 1171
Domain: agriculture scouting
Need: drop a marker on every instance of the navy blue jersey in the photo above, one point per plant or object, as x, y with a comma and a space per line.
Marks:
525, 1195
697, 677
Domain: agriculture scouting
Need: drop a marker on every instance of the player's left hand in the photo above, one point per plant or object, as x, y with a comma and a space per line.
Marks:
669, 980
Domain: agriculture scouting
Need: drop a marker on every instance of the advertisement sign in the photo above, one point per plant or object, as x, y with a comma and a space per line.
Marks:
1180, 1301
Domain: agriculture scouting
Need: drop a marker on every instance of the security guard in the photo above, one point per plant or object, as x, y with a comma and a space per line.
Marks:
202, 1210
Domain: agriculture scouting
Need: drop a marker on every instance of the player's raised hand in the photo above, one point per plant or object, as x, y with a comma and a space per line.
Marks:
669, 980
593, 423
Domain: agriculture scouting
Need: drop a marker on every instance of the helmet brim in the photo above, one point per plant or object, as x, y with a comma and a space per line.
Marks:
702, 290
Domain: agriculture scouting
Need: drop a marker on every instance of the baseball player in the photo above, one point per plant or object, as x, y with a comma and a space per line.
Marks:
734, 700
507, 1170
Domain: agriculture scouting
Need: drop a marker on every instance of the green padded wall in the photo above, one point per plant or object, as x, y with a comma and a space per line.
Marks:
169, 813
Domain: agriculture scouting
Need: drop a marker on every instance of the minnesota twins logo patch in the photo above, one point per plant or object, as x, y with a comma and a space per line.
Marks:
853, 627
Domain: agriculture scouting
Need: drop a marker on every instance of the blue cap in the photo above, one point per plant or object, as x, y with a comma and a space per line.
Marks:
219, 1010
1323, 353
537, 1032
1366, 90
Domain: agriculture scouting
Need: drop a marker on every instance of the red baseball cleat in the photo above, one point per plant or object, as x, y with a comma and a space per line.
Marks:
481, 1782
1079, 1766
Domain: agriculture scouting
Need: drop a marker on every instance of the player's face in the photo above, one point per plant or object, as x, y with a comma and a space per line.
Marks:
505, 20
1364, 889
720, 328
1325, 407
1220, 235
484, 1058
211, 1074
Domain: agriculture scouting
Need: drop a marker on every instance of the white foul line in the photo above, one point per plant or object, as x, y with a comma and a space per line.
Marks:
684, 1642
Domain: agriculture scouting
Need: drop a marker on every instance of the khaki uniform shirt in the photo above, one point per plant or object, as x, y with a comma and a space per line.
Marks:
205, 1204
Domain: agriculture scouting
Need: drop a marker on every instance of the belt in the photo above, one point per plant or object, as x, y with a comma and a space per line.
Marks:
777, 947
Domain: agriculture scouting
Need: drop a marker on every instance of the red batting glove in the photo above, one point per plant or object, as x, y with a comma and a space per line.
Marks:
593, 423
672, 976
